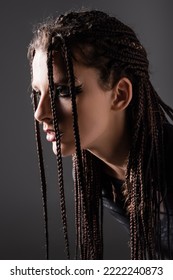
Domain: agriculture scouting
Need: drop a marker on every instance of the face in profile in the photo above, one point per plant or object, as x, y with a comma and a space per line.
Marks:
93, 105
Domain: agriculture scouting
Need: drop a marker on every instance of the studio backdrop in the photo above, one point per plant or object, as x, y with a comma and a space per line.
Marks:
21, 217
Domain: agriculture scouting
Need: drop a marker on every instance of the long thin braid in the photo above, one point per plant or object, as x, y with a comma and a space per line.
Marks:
94, 201
94, 206
42, 175
58, 156
84, 226
85, 231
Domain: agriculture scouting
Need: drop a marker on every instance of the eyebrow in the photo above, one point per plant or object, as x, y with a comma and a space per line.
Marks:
62, 80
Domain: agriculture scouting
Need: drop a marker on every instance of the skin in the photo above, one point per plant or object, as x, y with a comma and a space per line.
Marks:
101, 113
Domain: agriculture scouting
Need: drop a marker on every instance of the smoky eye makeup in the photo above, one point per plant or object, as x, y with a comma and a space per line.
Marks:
61, 91
64, 90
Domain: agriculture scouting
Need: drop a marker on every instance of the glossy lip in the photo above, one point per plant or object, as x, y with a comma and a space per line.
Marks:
50, 135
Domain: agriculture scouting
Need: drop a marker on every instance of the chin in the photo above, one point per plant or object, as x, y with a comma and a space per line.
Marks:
64, 150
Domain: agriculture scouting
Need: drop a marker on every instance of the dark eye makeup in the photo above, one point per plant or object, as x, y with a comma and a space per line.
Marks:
60, 91
64, 91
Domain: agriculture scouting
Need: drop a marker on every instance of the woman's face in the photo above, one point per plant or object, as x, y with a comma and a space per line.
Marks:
93, 105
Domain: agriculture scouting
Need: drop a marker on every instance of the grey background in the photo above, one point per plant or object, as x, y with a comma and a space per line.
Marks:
21, 223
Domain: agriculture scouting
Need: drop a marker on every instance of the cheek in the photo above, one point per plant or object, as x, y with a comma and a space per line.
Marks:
64, 111
92, 120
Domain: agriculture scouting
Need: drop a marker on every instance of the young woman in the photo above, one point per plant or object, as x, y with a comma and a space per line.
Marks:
93, 96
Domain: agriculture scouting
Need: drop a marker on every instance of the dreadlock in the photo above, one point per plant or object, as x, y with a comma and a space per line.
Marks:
105, 43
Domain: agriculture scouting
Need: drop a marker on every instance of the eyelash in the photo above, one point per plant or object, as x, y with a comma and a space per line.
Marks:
60, 91
63, 91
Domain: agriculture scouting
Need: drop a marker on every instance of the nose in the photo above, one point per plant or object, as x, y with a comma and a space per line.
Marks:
43, 112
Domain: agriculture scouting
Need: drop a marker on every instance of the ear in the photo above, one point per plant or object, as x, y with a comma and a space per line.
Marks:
122, 94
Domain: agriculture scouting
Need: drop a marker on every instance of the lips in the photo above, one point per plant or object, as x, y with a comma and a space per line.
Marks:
50, 135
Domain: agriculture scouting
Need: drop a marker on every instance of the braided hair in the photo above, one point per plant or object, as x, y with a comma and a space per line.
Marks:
106, 44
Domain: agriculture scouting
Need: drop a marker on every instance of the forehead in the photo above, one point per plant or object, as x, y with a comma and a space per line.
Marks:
39, 60
40, 69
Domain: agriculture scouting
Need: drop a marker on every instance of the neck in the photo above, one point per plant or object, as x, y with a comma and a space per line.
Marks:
114, 156
115, 165
115, 170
